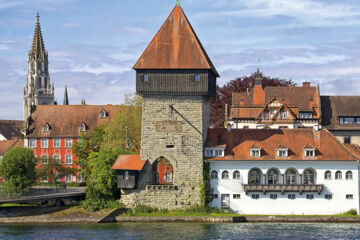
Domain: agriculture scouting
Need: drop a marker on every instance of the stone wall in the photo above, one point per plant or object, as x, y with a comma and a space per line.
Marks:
173, 127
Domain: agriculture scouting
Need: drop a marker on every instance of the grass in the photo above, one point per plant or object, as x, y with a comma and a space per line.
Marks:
18, 205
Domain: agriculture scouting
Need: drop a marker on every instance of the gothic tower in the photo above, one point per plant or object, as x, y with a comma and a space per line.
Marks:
175, 77
38, 90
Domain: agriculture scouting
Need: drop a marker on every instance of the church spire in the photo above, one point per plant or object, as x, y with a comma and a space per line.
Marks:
37, 51
66, 98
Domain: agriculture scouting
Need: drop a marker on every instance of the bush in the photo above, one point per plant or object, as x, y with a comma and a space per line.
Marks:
351, 212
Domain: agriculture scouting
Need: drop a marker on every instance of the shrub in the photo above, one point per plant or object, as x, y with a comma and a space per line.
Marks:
351, 212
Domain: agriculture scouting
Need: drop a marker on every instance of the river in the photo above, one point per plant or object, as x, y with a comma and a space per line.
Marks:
182, 231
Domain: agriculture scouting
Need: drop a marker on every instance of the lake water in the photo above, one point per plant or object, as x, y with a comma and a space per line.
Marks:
182, 231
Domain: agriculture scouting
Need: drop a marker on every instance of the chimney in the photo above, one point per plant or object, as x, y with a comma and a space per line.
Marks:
306, 84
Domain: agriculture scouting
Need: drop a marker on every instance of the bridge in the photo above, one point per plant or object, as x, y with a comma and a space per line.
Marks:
46, 194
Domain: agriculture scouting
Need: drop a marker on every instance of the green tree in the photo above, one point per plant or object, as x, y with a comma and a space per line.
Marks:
52, 170
18, 170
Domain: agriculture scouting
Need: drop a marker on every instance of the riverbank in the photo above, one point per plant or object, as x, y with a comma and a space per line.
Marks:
75, 214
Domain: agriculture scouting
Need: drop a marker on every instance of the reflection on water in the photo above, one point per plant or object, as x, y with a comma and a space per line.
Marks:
182, 231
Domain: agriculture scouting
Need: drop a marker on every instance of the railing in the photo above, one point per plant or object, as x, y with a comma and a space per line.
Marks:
282, 188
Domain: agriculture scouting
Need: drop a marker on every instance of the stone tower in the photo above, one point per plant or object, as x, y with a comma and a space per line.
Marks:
38, 90
175, 77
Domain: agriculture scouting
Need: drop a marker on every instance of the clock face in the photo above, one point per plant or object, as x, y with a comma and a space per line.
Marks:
168, 126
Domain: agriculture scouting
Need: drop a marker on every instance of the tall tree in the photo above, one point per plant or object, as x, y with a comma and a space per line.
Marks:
240, 84
18, 170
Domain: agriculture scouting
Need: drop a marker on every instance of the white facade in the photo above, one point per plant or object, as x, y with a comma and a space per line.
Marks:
339, 189
259, 125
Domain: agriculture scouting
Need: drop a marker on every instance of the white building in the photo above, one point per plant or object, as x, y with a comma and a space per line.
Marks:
283, 171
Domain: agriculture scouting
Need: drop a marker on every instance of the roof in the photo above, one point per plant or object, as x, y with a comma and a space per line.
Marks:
38, 48
175, 46
11, 129
7, 144
333, 107
129, 162
354, 148
65, 120
248, 105
239, 141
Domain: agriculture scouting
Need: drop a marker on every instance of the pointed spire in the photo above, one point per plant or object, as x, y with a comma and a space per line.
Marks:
177, 3
258, 78
66, 98
38, 48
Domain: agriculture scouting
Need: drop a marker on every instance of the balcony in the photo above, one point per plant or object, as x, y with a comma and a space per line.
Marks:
282, 188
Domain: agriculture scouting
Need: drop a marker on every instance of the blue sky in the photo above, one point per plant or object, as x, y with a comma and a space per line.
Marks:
93, 44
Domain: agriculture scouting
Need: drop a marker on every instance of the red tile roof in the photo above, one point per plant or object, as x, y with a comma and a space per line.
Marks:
11, 129
129, 162
239, 141
65, 120
249, 105
175, 46
7, 144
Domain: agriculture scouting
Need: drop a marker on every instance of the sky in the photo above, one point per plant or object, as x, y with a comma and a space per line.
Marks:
93, 44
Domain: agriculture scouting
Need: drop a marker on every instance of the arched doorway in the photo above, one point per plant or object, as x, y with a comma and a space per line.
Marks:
163, 171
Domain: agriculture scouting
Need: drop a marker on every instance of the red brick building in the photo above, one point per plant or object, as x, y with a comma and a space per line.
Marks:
54, 128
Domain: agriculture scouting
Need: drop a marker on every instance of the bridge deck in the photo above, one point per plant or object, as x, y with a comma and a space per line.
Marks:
43, 197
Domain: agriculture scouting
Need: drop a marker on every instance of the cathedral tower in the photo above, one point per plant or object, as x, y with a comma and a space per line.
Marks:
38, 90
175, 77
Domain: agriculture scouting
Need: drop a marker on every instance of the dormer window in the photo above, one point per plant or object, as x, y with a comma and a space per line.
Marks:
282, 152
255, 152
283, 115
83, 127
304, 115
46, 128
214, 152
103, 114
309, 152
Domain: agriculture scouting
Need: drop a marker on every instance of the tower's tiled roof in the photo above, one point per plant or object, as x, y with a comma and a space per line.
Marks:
38, 48
175, 46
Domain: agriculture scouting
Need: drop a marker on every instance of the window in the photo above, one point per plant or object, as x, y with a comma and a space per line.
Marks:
254, 176
214, 152
304, 115
273, 196
44, 160
309, 152
68, 159
349, 175
338, 175
83, 127
46, 128
236, 196
309, 176
291, 176
80, 177
44, 143
255, 196
273, 176
44, 179
103, 114
328, 196
283, 115
68, 142
255, 152
146, 77
282, 152
346, 120
32, 142
214, 174
291, 196
236, 175
126, 175
347, 139
168, 177
57, 177
214, 196
309, 196
57, 159
327, 175
349, 196
358, 120
196, 77
68, 177
57, 143
225, 175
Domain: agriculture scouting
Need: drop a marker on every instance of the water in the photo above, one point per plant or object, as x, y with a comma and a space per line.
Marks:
182, 231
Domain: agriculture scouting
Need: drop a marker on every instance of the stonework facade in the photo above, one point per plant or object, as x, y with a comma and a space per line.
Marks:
182, 146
